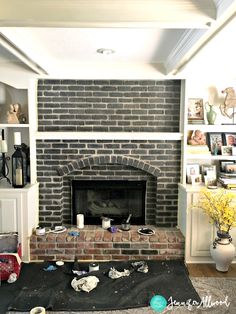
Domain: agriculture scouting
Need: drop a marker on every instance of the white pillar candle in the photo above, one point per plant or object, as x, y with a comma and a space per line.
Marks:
3, 146
17, 138
18, 176
80, 221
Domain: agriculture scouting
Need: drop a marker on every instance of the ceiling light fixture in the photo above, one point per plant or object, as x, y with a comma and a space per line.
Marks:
105, 51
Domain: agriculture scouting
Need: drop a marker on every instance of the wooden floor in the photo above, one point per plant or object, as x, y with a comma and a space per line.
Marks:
209, 270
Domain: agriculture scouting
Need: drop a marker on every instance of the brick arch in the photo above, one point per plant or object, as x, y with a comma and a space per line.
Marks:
107, 159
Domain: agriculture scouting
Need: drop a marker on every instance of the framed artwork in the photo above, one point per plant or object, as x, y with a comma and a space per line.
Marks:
215, 142
208, 170
209, 174
226, 150
195, 109
193, 173
229, 139
230, 168
225, 164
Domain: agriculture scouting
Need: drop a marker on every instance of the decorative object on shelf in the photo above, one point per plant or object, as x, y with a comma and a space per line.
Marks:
215, 142
14, 115
193, 174
4, 159
229, 103
19, 164
228, 166
226, 150
222, 213
210, 113
197, 138
209, 175
195, 111
227, 174
229, 139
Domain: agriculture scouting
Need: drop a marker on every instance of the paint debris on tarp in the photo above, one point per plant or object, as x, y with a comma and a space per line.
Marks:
50, 268
115, 274
141, 266
79, 272
12, 278
85, 284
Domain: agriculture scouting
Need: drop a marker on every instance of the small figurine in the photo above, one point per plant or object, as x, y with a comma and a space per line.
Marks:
197, 138
229, 102
13, 113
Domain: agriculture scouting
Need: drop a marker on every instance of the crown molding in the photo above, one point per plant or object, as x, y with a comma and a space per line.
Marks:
222, 6
20, 55
186, 42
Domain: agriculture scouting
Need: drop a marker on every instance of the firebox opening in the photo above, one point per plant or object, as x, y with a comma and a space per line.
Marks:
115, 199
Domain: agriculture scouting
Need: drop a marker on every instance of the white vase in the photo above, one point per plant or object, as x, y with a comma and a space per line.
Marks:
222, 251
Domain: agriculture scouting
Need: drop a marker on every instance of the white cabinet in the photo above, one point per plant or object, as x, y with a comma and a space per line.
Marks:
8, 208
194, 224
19, 213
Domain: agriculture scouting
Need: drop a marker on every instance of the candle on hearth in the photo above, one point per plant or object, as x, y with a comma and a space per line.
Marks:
80, 221
17, 138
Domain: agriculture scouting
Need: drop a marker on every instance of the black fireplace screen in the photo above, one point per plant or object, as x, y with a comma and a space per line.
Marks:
113, 199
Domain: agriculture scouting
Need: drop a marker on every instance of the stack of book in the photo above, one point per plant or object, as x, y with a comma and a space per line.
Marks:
198, 149
194, 121
227, 180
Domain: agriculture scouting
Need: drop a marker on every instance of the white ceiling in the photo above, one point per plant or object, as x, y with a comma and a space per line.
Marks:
57, 36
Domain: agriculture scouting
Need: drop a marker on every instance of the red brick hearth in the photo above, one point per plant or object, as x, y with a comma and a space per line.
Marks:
95, 243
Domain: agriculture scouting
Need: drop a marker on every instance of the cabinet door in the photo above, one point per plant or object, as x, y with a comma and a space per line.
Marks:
8, 215
202, 234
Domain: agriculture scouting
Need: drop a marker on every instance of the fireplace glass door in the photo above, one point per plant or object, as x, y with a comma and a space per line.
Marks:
113, 199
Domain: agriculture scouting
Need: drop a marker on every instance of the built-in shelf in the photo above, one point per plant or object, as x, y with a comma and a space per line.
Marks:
109, 135
212, 128
18, 125
210, 157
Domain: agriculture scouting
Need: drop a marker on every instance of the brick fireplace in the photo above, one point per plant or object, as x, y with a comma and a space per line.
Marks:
108, 106
60, 161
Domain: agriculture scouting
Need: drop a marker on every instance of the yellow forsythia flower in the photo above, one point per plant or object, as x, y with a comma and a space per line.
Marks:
219, 207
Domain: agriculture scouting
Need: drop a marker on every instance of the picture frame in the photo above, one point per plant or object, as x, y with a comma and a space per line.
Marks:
215, 143
230, 168
208, 170
229, 139
193, 173
226, 150
209, 174
195, 109
224, 163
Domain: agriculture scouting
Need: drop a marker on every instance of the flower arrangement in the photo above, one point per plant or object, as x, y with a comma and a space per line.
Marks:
218, 206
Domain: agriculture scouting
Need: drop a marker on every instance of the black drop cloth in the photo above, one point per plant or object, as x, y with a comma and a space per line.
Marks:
52, 290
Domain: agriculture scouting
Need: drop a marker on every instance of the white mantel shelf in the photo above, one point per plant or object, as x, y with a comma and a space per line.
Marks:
7, 187
108, 136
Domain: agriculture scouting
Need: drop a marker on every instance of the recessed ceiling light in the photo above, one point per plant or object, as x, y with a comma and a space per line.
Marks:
105, 51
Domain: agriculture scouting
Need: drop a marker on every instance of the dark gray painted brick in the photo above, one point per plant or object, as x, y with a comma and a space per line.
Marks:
158, 97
